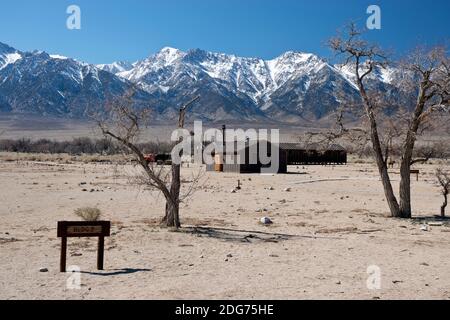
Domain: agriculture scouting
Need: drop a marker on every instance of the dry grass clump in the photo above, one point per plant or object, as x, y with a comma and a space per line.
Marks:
88, 213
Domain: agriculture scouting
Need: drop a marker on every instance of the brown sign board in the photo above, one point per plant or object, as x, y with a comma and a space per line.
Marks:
79, 229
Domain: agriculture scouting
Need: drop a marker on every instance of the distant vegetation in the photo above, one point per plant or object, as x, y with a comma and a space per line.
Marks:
78, 146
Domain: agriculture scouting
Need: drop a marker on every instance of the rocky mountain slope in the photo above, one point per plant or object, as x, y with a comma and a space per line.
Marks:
290, 88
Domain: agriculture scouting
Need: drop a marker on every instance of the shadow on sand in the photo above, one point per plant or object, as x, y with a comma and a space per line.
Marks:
444, 220
116, 272
244, 236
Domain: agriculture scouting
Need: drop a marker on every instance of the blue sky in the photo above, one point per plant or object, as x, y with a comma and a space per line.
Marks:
133, 29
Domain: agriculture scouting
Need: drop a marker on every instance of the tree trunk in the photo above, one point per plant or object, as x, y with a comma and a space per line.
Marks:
405, 177
408, 148
385, 179
175, 193
171, 219
444, 205
378, 151
405, 185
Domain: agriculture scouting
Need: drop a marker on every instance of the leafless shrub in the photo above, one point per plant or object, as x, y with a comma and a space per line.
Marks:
88, 213
443, 178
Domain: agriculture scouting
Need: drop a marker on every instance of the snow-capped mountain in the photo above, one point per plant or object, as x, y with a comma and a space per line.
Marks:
39, 83
293, 87
253, 77
116, 67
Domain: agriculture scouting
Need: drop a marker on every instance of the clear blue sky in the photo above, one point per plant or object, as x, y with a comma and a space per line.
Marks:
133, 29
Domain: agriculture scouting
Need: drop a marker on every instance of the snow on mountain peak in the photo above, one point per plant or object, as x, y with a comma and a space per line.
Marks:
116, 67
8, 55
169, 55
58, 57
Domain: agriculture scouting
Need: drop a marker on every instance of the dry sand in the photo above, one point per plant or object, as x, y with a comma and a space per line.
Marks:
327, 231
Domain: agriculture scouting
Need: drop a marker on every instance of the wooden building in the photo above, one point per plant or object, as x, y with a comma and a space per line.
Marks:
314, 154
247, 159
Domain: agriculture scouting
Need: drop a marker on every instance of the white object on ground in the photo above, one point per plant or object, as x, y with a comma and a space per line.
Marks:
266, 221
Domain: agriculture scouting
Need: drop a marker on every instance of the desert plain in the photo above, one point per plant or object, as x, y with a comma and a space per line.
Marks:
331, 225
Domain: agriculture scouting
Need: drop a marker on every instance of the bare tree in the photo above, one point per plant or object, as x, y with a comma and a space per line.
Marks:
443, 178
124, 123
429, 79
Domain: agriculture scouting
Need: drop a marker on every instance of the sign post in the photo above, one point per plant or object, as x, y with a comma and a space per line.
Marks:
83, 229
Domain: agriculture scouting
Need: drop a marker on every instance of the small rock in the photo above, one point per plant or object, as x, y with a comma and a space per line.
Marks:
229, 255
43, 270
266, 221
424, 227
233, 191
287, 190
84, 190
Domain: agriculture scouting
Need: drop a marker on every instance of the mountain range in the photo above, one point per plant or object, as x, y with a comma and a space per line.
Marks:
291, 88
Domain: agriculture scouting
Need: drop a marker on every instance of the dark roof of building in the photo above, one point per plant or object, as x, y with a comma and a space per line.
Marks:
311, 146
294, 146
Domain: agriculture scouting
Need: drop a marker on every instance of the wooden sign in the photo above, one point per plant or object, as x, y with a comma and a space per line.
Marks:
83, 229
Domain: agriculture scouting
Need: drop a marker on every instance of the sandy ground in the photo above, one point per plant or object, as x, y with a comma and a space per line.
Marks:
327, 231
